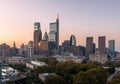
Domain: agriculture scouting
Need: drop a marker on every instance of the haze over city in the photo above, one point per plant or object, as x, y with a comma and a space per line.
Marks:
81, 18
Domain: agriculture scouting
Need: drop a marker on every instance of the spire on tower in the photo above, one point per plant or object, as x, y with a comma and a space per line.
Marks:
58, 16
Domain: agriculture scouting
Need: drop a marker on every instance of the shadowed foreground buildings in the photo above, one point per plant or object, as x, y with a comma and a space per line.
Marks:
4, 50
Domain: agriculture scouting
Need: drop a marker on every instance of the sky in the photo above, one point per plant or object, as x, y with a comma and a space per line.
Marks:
82, 18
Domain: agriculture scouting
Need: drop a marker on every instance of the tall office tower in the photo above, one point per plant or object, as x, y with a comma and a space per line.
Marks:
94, 48
111, 48
37, 37
102, 44
89, 45
72, 40
54, 33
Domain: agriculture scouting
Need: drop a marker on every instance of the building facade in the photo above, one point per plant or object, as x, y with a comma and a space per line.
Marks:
98, 57
72, 40
37, 37
102, 44
54, 33
4, 50
89, 45
111, 48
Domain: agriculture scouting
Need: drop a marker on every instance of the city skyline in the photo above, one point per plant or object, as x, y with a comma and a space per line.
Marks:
80, 18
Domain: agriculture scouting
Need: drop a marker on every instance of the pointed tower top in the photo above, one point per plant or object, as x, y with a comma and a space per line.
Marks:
57, 16
14, 45
45, 30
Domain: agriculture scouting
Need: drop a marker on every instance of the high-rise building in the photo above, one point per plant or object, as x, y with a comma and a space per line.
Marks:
89, 45
72, 40
54, 33
37, 37
111, 48
45, 37
102, 44
94, 48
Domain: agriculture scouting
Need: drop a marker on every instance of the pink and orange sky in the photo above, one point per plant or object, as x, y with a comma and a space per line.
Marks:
81, 18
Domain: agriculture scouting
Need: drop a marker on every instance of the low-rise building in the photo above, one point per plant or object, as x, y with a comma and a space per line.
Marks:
16, 60
9, 73
44, 75
34, 64
99, 57
70, 58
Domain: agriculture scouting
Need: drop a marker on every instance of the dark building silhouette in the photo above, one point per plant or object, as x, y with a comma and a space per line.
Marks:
14, 50
4, 50
94, 48
66, 43
72, 49
45, 37
82, 50
89, 45
37, 37
102, 44
52, 48
72, 40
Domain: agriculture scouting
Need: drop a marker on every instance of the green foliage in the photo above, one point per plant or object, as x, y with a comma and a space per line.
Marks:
85, 78
9, 82
54, 79
33, 78
69, 73
92, 76
111, 70
116, 80
100, 74
45, 69
49, 61
19, 67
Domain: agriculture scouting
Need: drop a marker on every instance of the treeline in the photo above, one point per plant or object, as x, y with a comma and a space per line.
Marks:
72, 73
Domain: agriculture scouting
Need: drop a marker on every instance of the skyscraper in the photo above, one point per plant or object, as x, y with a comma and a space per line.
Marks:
94, 48
45, 37
72, 40
37, 37
102, 44
54, 33
89, 45
111, 48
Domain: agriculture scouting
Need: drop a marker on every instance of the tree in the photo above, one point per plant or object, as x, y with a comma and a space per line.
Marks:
49, 61
54, 79
116, 80
33, 78
100, 74
84, 78
9, 82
